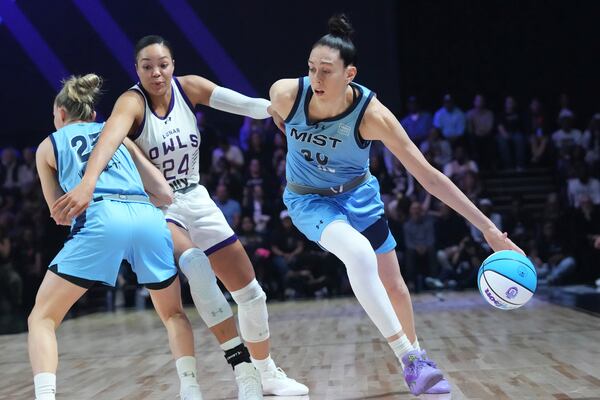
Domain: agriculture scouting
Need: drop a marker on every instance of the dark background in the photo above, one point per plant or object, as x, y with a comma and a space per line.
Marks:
427, 48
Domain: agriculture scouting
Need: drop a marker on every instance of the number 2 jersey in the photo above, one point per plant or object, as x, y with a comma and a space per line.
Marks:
171, 142
330, 152
73, 145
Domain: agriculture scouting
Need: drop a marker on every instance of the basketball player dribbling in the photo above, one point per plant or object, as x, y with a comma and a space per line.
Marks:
330, 122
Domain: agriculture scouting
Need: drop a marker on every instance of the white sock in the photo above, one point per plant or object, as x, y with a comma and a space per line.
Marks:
401, 346
45, 386
416, 344
231, 343
265, 365
186, 370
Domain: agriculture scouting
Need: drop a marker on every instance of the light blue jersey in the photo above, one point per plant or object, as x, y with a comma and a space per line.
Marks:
73, 145
327, 153
120, 223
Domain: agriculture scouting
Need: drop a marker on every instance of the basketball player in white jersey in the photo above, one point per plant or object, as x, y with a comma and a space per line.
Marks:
158, 114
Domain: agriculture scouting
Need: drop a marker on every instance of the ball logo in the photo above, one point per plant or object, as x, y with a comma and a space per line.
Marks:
491, 298
512, 292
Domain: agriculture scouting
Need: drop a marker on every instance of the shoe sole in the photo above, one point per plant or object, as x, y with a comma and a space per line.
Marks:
431, 382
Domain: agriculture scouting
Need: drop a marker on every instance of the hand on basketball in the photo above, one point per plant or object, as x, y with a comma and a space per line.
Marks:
500, 241
71, 204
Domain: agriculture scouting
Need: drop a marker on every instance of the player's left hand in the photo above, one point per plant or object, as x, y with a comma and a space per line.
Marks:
72, 204
500, 241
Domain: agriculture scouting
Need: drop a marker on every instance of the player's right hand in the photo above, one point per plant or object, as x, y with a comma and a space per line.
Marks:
72, 204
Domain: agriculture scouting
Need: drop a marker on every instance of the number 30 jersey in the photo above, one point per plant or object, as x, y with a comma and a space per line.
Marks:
73, 145
171, 142
330, 152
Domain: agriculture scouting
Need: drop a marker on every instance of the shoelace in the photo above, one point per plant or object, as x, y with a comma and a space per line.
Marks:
278, 373
427, 361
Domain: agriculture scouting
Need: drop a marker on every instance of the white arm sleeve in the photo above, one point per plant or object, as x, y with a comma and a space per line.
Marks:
233, 102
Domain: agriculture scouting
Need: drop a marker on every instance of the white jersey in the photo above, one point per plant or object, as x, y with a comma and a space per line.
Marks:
171, 143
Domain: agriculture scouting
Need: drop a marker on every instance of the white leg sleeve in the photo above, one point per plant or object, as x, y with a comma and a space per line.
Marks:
208, 297
252, 312
360, 260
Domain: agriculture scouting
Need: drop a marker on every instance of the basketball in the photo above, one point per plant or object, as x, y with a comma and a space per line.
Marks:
507, 279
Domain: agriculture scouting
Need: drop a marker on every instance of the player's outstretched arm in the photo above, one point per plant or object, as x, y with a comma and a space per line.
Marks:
380, 124
202, 91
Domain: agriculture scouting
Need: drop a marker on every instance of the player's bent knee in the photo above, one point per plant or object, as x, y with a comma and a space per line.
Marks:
252, 312
208, 297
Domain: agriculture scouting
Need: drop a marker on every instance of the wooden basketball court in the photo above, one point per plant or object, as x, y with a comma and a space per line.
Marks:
542, 351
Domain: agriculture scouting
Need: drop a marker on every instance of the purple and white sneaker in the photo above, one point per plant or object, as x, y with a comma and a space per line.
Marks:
443, 386
419, 373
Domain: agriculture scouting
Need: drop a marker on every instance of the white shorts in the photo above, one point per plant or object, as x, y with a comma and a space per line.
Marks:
198, 214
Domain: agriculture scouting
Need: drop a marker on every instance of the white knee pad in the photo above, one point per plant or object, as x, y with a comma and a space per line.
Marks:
208, 297
252, 312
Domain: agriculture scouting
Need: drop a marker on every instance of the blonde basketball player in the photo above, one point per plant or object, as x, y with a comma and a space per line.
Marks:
158, 114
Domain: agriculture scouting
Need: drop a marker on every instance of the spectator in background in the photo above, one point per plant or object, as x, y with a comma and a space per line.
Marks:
518, 222
231, 153
480, 123
28, 257
438, 148
417, 123
585, 226
583, 185
9, 169
286, 245
511, 141
255, 204
460, 165
450, 120
450, 230
554, 252
256, 247
487, 208
378, 170
279, 149
591, 142
257, 176
230, 208
540, 143
209, 140
258, 150
249, 127
27, 169
419, 238
535, 118
470, 185
566, 137
11, 284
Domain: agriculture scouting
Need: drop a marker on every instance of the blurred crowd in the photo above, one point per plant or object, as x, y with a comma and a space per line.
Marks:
245, 172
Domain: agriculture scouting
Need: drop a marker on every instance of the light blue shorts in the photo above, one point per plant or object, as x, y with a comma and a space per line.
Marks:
362, 208
110, 231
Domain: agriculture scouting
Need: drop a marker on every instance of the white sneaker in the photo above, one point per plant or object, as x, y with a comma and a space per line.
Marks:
248, 381
191, 392
276, 382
